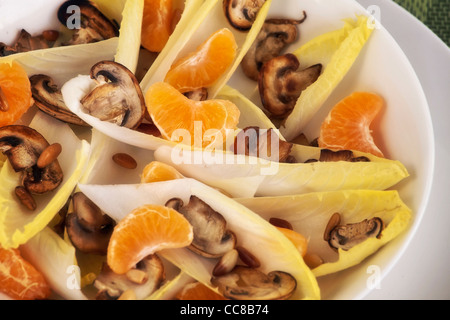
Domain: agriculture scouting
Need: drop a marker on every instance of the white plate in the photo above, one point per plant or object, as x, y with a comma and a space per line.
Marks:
422, 271
405, 129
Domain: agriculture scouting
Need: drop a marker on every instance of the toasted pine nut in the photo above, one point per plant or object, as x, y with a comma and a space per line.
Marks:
50, 35
226, 263
25, 198
281, 223
332, 223
137, 276
127, 295
248, 258
125, 160
313, 260
49, 155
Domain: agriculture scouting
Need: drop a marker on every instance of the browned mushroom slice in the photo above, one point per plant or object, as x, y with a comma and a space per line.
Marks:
327, 155
349, 235
274, 36
118, 97
244, 283
252, 142
211, 237
143, 280
94, 25
88, 228
48, 98
242, 13
26, 42
281, 82
23, 146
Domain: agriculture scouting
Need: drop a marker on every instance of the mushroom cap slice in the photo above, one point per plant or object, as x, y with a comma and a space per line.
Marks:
23, 146
273, 37
211, 237
88, 228
48, 98
118, 98
242, 13
111, 285
348, 236
244, 283
94, 25
281, 83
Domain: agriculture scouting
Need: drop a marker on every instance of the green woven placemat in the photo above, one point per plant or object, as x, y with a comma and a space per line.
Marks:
433, 13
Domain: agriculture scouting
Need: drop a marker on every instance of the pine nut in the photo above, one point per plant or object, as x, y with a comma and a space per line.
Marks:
25, 198
313, 260
137, 276
127, 295
125, 160
248, 258
50, 35
332, 223
50, 154
281, 223
226, 263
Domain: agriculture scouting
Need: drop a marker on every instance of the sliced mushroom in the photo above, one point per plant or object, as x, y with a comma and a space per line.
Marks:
244, 283
88, 228
94, 25
274, 36
26, 42
281, 82
111, 285
252, 141
327, 155
118, 97
48, 98
23, 146
349, 235
211, 237
242, 13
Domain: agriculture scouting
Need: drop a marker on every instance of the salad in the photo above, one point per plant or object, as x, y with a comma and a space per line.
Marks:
132, 167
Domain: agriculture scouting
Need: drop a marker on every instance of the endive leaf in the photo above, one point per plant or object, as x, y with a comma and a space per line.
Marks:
18, 225
130, 34
309, 215
77, 88
274, 251
63, 63
56, 259
203, 22
269, 178
337, 51
251, 115
101, 169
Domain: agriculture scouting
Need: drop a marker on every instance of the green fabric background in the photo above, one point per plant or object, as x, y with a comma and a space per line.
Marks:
433, 13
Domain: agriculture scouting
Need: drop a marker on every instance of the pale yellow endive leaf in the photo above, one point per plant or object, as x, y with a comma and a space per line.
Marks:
309, 215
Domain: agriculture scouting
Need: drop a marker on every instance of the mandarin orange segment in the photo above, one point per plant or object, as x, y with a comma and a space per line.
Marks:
347, 126
203, 67
157, 171
300, 242
156, 24
15, 93
144, 231
195, 123
198, 291
19, 279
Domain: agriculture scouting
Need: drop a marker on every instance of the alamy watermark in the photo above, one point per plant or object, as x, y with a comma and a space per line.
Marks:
252, 146
374, 279
374, 21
